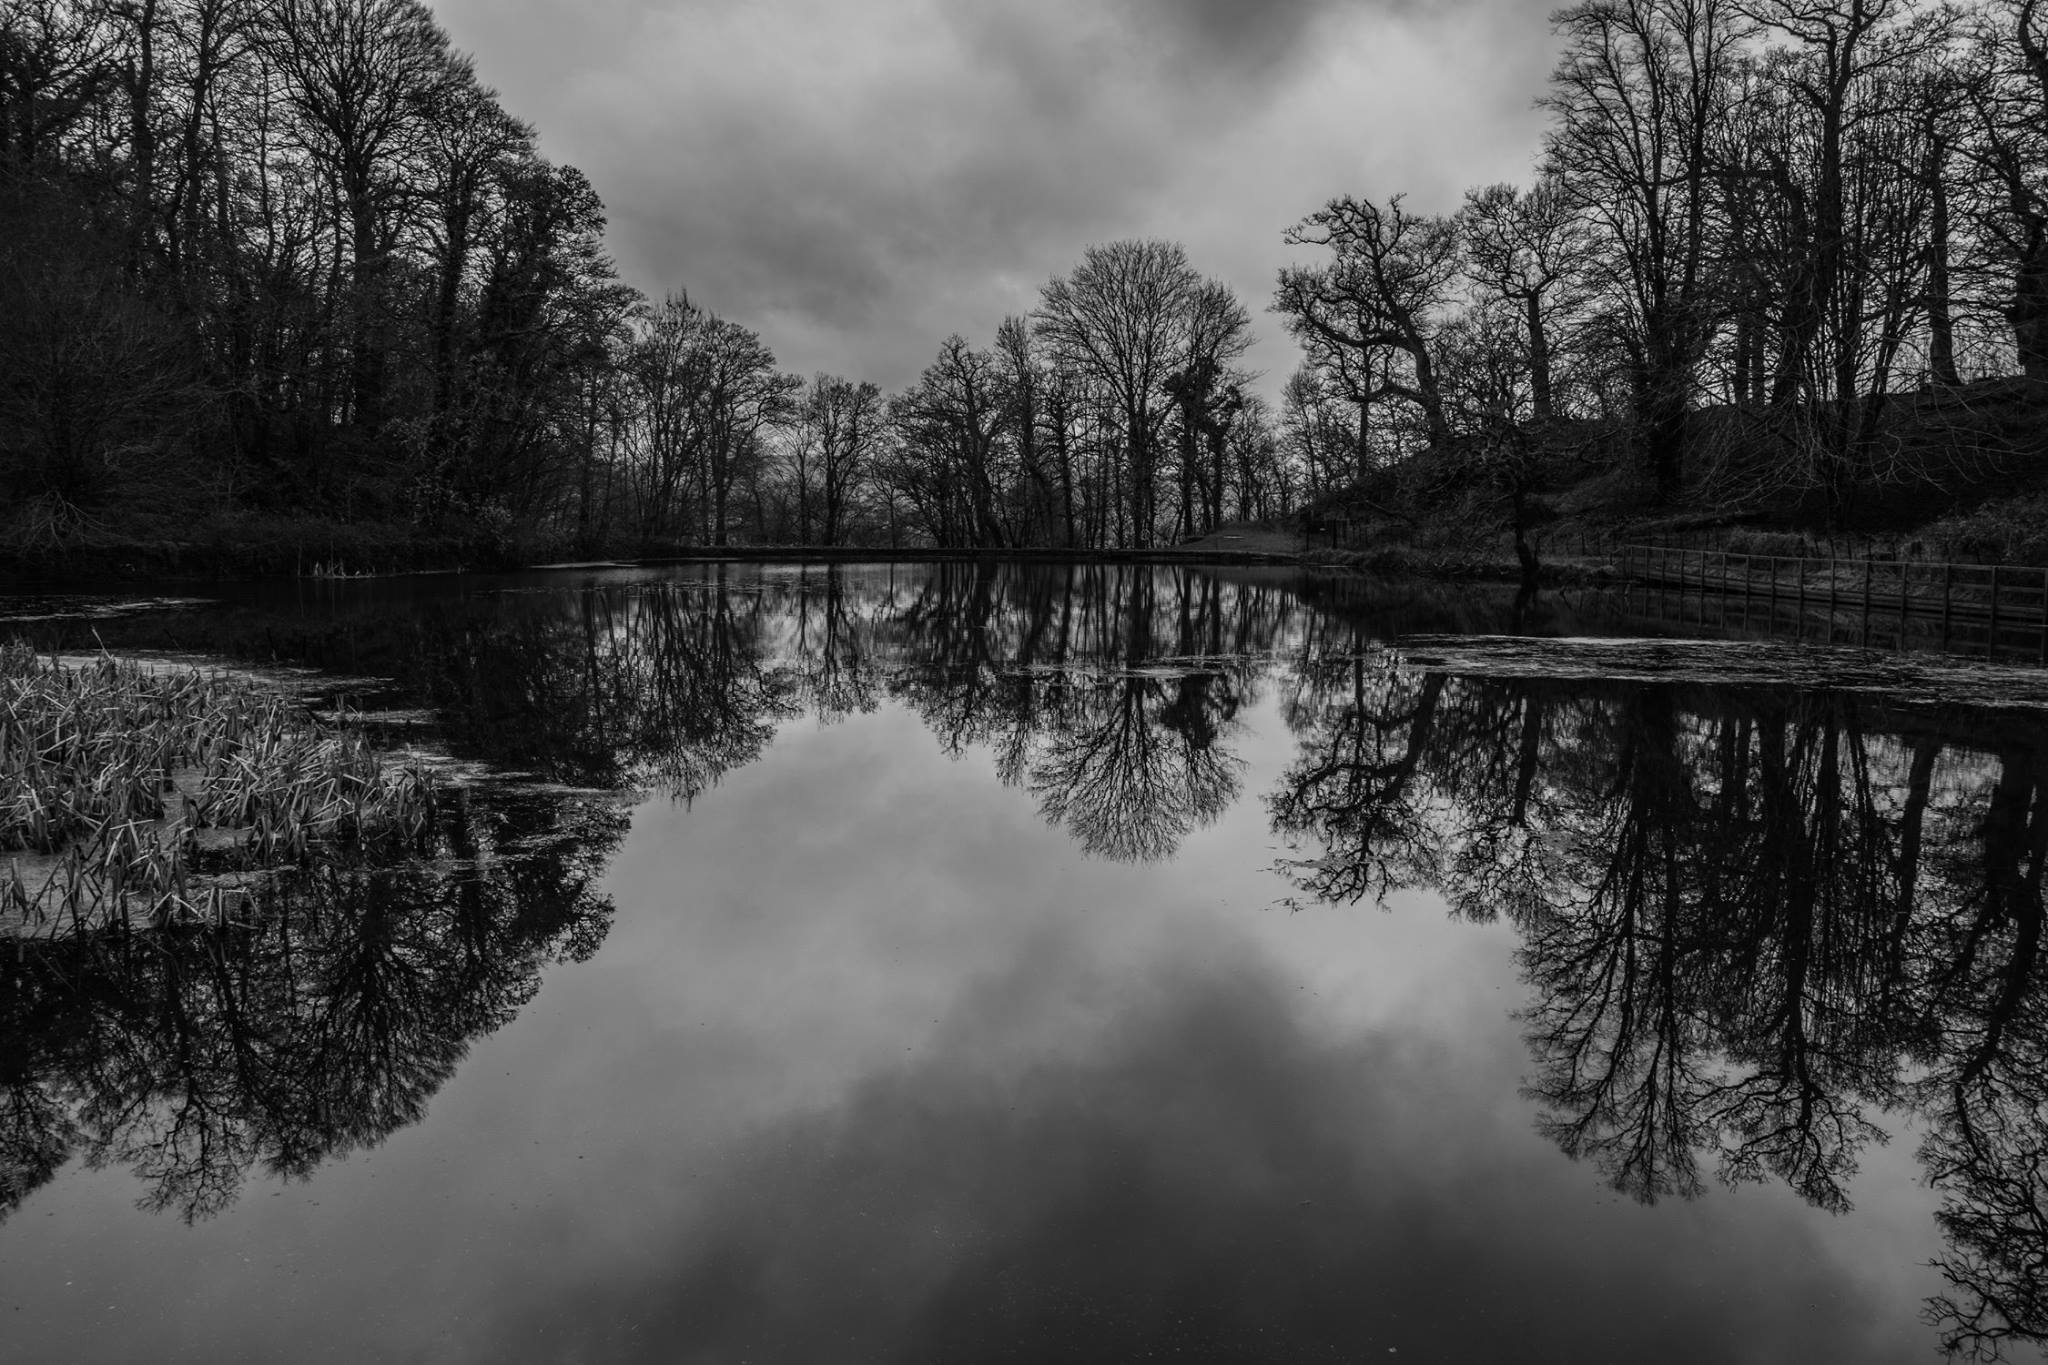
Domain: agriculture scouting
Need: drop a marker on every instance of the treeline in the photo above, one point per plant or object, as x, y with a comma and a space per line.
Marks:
1794, 211
285, 255
1115, 415
292, 259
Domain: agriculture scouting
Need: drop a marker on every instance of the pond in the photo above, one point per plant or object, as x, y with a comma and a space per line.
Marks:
957, 962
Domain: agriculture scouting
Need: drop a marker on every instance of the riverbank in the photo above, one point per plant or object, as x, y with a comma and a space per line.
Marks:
1572, 552
252, 548
1403, 561
248, 547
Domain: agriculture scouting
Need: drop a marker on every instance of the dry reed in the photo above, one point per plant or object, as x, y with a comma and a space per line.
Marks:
129, 792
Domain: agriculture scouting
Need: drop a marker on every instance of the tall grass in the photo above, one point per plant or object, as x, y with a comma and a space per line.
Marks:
126, 791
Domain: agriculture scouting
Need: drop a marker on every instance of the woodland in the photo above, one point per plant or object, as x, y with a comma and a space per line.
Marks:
285, 288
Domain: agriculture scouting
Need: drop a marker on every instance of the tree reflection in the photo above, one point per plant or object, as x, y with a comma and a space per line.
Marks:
321, 1019
1752, 921
1986, 1093
1111, 695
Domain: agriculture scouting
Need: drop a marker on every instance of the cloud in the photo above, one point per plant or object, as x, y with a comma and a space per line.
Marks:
858, 181
1249, 39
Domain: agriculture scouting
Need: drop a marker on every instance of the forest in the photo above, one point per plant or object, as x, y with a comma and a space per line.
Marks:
284, 287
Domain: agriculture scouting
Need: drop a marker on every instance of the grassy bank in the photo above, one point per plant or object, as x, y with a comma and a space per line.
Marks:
130, 794
253, 546
1401, 560
1957, 473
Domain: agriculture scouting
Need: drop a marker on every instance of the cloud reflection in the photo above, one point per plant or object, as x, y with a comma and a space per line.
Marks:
1210, 1181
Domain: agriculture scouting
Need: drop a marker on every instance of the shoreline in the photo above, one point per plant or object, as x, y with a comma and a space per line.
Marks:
1391, 563
125, 564
145, 563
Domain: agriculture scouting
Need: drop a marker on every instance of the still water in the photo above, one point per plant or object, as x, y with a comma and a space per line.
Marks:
958, 963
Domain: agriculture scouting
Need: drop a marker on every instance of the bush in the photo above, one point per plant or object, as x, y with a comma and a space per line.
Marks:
1790, 544
2009, 531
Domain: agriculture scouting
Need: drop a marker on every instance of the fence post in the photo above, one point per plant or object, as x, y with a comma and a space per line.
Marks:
1904, 570
1948, 593
1991, 638
1868, 565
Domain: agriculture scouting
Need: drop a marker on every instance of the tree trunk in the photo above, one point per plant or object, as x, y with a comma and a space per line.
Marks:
1539, 359
2028, 311
1365, 433
1941, 327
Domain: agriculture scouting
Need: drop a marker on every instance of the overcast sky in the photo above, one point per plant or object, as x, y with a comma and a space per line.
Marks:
855, 179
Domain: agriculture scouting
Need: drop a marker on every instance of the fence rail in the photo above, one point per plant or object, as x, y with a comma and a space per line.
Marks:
1989, 610
1992, 608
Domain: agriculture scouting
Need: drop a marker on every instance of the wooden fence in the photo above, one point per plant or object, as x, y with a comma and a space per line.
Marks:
1989, 609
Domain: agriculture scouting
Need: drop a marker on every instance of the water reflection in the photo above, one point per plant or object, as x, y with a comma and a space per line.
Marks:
1750, 921
1110, 696
319, 1021
1757, 925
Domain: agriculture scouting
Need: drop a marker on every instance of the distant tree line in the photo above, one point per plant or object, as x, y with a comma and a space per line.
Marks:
293, 258
1115, 415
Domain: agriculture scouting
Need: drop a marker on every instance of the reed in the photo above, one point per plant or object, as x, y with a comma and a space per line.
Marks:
129, 792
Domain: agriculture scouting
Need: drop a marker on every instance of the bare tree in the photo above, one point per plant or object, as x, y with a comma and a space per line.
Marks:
2008, 94
1636, 98
951, 422
362, 76
842, 423
1526, 248
1385, 290
1124, 315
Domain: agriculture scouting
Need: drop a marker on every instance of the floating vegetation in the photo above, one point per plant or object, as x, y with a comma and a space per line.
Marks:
129, 793
20, 609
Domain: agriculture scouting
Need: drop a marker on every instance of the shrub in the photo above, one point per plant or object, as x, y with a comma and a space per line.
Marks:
2009, 531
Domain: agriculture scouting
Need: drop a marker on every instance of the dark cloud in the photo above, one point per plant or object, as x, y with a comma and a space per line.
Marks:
1248, 39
